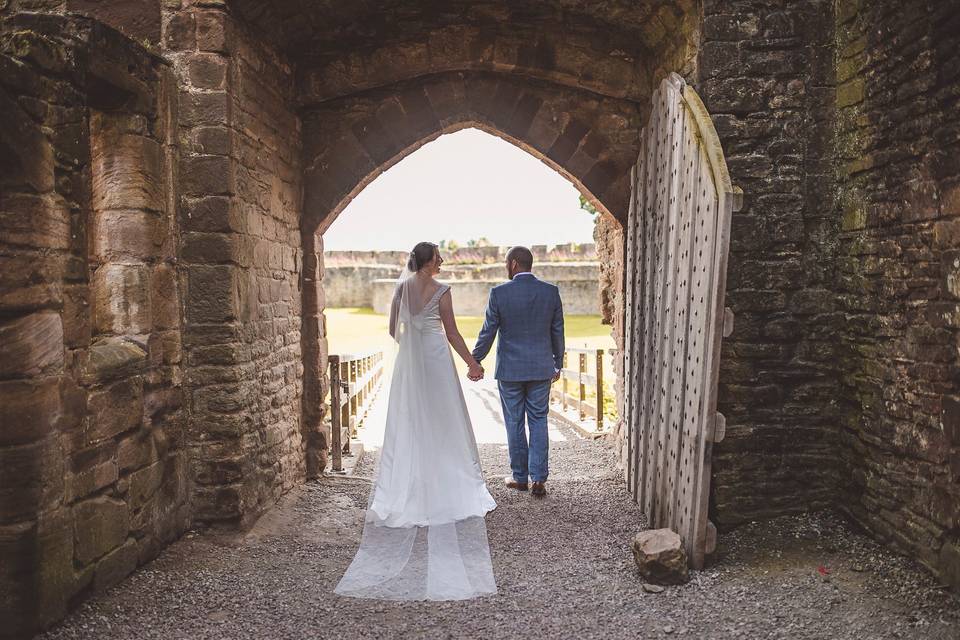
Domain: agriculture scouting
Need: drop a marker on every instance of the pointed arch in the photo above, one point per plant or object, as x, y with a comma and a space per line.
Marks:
589, 139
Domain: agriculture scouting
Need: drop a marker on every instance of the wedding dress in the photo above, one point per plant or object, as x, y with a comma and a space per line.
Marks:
424, 536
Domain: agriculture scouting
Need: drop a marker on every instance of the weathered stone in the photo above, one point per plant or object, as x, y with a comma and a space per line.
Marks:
660, 557
213, 31
31, 344
31, 478
207, 71
30, 409
207, 175
112, 358
121, 299
126, 169
212, 294
114, 410
127, 235
116, 565
101, 526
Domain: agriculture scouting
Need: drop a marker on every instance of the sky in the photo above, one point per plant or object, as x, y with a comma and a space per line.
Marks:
462, 186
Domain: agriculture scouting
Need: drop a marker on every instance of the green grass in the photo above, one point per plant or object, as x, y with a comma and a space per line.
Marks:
359, 330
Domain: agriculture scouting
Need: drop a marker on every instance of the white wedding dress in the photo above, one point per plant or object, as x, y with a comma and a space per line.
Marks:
424, 536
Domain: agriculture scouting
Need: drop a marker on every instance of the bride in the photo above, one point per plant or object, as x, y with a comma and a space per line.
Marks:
424, 537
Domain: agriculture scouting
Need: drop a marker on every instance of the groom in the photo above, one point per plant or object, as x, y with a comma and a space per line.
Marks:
529, 316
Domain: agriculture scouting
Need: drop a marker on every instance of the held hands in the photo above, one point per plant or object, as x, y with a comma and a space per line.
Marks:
475, 372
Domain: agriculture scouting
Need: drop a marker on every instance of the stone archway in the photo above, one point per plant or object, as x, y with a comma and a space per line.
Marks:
591, 140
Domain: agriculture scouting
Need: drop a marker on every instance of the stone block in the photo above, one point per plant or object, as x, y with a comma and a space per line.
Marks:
213, 140
82, 484
212, 248
126, 169
101, 526
660, 557
950, 419
31, 478
204, 109
213, 294
213, 31
164, 297
33, 220
116, 565
212, 213
136, 451
114, 410
207, 71
207, 175
77, 327
949, 564
31, 409
113, 358
218, 503
731, 27
180, 33
121, 299
127, 235
144, 483
31, 344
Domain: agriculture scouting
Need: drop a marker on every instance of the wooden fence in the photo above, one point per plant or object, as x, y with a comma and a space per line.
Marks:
354, 383
571, 389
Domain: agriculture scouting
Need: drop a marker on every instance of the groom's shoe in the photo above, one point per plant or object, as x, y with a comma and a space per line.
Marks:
538, 489
512, 483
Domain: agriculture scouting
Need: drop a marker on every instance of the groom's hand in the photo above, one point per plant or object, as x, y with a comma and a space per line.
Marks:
556, 376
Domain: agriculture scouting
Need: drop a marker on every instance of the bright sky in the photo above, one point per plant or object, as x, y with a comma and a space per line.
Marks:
462, 186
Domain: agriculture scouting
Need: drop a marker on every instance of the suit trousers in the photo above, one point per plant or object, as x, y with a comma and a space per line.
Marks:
525, 407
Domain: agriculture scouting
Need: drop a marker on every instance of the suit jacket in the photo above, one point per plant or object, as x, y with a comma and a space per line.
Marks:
528, 314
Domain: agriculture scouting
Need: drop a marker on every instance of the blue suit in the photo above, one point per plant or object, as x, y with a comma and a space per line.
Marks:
528, 315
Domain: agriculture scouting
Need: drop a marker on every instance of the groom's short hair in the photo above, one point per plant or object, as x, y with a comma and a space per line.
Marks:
522, 255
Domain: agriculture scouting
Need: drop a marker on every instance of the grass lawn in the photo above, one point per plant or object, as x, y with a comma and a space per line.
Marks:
353, 330
359, 330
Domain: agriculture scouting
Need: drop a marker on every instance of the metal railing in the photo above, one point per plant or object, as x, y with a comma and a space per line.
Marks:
579, 380
354, 383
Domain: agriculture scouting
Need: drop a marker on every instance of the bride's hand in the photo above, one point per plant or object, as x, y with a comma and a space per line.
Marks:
475, 372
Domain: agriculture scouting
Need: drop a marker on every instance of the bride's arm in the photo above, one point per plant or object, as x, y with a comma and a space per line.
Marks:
453, 334
394, 312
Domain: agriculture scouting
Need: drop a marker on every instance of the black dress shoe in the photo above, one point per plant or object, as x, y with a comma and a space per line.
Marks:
538, 489
513, 484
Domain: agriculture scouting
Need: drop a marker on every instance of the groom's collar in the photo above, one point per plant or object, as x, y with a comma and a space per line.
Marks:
522, 273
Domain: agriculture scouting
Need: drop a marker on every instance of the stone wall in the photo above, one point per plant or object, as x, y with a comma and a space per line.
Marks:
241, 261
470, 296
93, 471
765, 74
573, 252
372, 285
898, 164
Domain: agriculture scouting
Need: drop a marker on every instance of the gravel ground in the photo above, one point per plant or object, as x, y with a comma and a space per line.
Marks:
563, 568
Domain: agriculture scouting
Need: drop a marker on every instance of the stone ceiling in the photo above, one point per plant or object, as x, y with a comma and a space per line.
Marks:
609, 47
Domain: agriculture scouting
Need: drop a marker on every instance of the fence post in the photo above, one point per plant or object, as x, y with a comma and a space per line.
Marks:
582, 395
563, 383
345, 410
599, 389
335, 414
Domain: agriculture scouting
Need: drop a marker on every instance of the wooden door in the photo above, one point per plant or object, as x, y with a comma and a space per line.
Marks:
677, 240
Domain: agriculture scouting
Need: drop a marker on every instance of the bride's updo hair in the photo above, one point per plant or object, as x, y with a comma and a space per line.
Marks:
421, 255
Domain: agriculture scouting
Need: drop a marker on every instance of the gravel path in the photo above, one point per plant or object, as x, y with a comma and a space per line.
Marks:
563, 567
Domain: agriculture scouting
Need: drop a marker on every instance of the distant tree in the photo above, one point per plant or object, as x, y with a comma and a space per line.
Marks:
586, 206
479, 242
